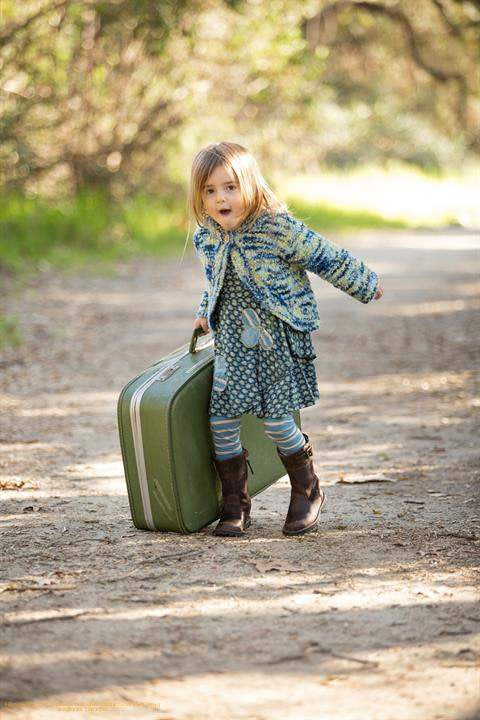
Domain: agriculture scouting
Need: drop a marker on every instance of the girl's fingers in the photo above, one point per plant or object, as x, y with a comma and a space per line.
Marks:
203, 323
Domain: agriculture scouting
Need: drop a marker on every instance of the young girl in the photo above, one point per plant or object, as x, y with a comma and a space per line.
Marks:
261, 309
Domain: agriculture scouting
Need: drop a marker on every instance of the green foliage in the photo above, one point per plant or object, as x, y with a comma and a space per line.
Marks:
120, 96
88, 229
326, 218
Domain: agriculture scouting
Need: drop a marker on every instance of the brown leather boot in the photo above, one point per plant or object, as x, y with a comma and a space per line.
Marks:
307, 497
236, 502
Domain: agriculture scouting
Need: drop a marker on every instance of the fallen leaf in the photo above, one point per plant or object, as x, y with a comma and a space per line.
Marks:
9, 485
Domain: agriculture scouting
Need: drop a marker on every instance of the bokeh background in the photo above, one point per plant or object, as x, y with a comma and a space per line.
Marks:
361, 114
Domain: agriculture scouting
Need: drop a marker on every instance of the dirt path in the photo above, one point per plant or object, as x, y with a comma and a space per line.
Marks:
375, 617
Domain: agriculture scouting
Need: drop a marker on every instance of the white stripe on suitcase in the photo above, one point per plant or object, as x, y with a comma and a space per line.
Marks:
137, 433
138, 447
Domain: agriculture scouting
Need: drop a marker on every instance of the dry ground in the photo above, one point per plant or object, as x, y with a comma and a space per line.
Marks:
375, 617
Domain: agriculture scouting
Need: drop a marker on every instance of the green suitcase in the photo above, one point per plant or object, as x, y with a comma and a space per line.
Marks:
167, 448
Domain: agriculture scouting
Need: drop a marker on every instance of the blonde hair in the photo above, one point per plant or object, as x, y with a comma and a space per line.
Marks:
257, 195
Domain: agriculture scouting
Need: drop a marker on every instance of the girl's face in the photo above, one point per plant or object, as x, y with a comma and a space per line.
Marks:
222, 198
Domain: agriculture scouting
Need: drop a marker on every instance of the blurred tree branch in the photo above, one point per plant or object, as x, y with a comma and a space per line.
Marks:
399, 17
323, 27
67, 73
105, 93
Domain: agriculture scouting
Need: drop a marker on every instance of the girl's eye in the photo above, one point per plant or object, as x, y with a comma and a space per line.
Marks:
230, 187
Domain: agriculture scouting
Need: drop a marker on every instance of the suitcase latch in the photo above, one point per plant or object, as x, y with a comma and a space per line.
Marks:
165, 374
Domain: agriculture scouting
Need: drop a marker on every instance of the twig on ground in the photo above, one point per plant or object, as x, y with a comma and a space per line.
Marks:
315, 647
329, 651
48, 618
171, 555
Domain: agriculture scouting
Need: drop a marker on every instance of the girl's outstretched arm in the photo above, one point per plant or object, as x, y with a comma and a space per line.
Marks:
301, 245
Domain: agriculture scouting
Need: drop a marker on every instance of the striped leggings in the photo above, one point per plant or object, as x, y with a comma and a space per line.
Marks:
226, 435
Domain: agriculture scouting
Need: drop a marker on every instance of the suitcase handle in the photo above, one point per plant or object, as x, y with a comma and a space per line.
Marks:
193, 342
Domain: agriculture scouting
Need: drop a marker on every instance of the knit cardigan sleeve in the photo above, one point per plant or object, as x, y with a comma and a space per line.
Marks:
301, 245
202, 308
197, 242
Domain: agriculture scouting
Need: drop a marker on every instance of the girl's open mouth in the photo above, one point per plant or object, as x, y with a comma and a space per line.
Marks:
224, 212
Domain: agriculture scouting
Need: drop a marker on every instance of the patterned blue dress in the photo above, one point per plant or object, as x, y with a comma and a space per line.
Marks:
262, 365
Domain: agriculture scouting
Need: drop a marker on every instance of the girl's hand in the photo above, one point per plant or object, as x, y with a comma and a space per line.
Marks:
203, 323
378, 294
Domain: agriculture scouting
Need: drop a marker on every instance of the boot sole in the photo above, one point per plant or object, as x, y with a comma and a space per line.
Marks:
232, 533
309, 528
